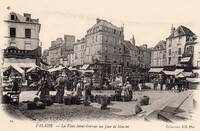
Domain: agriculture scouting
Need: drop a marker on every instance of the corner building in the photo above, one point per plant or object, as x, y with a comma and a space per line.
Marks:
104, 46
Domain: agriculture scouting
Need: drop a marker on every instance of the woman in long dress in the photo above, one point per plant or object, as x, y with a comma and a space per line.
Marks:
60, 87
43, 89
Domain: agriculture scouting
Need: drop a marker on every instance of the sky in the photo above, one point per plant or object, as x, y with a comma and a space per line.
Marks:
148, 20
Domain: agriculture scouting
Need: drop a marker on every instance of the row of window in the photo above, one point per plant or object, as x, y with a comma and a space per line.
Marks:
179, 51
106, 49
82, 47
169, 59
27, 32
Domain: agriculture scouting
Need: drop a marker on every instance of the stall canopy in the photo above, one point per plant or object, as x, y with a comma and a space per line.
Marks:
58, 69
18, 69
155, 70
86, 71
85, 67
196, 71
72, 68
22, 65
193, 80
185, 59
34, 68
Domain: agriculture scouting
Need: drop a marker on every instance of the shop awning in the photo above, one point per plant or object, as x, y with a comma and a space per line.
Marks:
85, 67
155, 70
174, 73
185, 59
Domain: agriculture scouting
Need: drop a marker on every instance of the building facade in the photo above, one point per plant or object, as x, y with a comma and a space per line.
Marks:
59, 49
144, 57
175, 44
79, 52
21, 41
158, 55
55, 51
191, 55
104, 45
134, 52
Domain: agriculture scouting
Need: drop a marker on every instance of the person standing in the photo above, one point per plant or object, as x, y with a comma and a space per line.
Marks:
43, 89
60, 87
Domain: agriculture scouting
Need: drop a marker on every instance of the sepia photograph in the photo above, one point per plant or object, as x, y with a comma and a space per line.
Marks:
99, 64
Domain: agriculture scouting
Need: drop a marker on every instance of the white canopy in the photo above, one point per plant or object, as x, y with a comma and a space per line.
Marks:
85, 67
32, 68
196, 71
88, 71
16, 68
72, 68
56, 69
22, 65
175, 73
155, 70
193, 80
185, 59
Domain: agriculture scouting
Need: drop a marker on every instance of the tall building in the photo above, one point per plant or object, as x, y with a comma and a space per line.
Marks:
158, 54
59, 50
55, 51
144, 57
79, 52
134, 51
175, 44
104, 45
21, 41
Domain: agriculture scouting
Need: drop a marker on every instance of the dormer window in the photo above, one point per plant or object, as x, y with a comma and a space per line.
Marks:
12, 17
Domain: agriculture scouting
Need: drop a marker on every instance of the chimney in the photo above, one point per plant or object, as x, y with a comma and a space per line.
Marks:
172, 30
28, 16
133, 40
145, 45
98, 20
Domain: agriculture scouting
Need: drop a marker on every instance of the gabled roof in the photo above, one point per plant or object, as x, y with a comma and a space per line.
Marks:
130, 46
160, 46
181, 30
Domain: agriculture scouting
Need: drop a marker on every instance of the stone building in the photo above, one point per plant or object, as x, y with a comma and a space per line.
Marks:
175, 44
158, 54
191, 55
144, 57
21, 41
134, 52
104, 46
59, 50
79, 52
55, 51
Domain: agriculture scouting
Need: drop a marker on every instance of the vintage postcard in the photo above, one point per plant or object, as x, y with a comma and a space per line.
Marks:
99, 64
